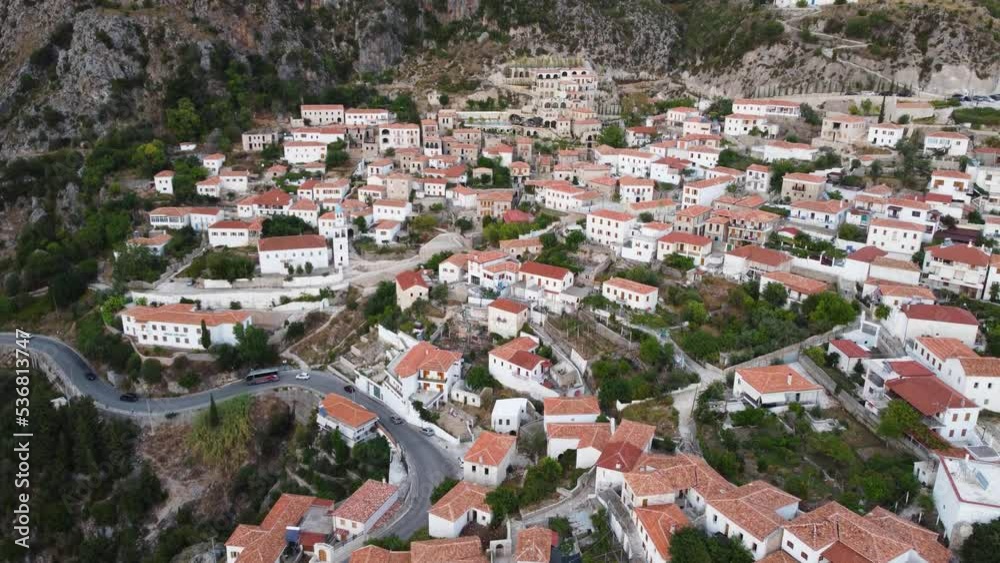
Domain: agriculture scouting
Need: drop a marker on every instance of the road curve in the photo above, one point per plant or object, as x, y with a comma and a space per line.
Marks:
427, 464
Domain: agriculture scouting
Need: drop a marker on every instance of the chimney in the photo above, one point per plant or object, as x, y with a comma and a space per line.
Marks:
618, 465
789, 380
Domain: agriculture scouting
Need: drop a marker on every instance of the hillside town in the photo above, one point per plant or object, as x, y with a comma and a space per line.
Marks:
731, 330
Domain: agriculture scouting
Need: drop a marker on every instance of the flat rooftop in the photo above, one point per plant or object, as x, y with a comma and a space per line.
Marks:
975, 481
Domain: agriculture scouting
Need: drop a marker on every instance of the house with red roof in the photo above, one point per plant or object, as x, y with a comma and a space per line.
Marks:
410, 286
610, 228
849, 353
354, 422
303, 522
631, 294
952, 183
584, 408
464, 504
198, 218
914, 321
947, 143
946, 412
899, 238
695, 247
657, 525
774, 386
798, 288
163, 182
977, 378
750, 261
179, 325
361, 512
958, 268
587, 439
827, 215
505, 317
487, 460
516, 361
882, 370
421, 369
797, 186
752, 515
544, 284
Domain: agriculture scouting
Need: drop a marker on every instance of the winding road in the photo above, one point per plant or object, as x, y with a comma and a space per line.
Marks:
427, 464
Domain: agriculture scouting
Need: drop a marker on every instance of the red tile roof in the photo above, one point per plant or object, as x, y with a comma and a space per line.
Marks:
929, 395
795, 282
754, 507
425, 356
867, 254
761, 255
965, 254
619, 456
940, 313
588, 434
635, 433
850, 348
265, 543
660, 523
951, 174
613, 215
679, 237
508, 306
556, 406
409, 278
366, 501
631, 286
910, 368
776, 379
463, 497
490, 448
292, 242
946, 348
346, 411
534, 545
897, 224
832, 524
800, 177
185, 314
544, 270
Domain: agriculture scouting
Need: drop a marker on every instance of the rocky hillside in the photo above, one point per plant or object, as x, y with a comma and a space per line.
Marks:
72, 69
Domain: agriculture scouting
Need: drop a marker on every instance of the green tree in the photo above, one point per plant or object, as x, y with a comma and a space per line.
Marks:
689, 545
183, 121
149, 158
655, 354
479, 377
983, 544
827, 310
463, 224
695, 313
423, 224
881, 313
898, 418
442, 488
775, 294
503, 502
613, 136
994, 291
340, 449
206, 337
336, 154
613, 390
152, 371
532, 443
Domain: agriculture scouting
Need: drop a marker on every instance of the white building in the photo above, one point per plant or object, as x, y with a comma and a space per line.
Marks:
235, 234
957, 185
947, 143
358, 515
757, 178
966, 491
563, 410
774, 386
213, 163
410, 287
516, 360
369, 117
325, 135
322, 114
610, 228
885, 134
277, 254
899, 238
198, 218
948, 413
549, 278
508, 414
386, 231
587, 439
704, 192
827, 215
779, 108
784, 150
750, 262
487, 460
464, 504
302, 152
843, 128
752, 515
957, 268
354, 422
738, 124
635, 190
633, 295
398, 136
333, 227
506, 317
392, 209
913, 321
179, 325
695, 247
163, 182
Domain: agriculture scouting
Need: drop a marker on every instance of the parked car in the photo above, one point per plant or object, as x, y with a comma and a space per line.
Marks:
129, 397
348, 389
91, 376
995, 97
427, 431
302, 376
395, 419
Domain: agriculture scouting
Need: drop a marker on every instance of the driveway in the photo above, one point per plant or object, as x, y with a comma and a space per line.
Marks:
426, 463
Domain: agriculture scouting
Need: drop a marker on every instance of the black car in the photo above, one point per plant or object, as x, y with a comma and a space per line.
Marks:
129, 397
348, 389
91, 376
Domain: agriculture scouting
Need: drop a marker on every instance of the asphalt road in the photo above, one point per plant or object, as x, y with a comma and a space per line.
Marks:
427, 464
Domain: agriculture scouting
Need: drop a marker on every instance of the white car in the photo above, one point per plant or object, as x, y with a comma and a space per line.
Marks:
302, 376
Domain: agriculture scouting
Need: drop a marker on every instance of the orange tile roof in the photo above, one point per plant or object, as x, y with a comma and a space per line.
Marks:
508, 306
588, 434
946, 348
795, 282
425, 356
828, 206
265, 543
886, 262
366, 501
544, 270
463, 497
490, 448
656, 474
374, 554
980, 367
754, 507
947, 135
929, 395
776, 379
761, 255
271, 198
766, 102
291, 242
635, 433
800, 177
653, 204
694, 211
458, 550
951, 174
970, 255
775, 557
850, 348
613, 215
631, 286
619, 456
534, 545
557, 406
407, 279
185, 314
832, 524
889, 289
520, 243
660, 523
676, 237
787, 145
922, 539
346, 411
940, 313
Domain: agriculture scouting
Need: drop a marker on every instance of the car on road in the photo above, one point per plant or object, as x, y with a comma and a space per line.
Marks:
302, 376
91, 376
129, 397
995, 97
427, 431
348, 388
395, 419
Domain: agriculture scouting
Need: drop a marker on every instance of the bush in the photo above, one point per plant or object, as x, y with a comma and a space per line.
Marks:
152, 371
